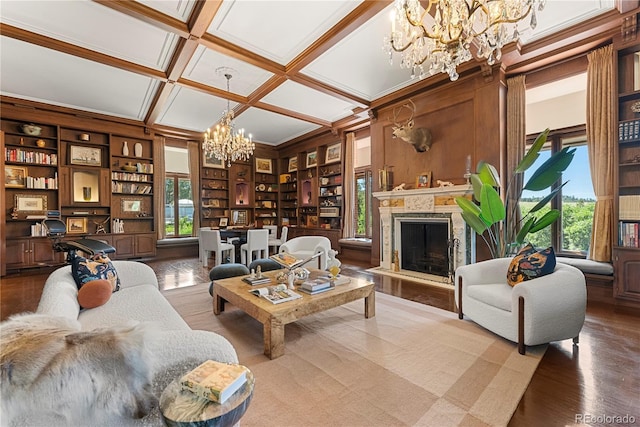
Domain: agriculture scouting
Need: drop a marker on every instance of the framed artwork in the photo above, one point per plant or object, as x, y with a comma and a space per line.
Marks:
239, 217
76, 225
293, 164
15, 176
224, 222
333, 153
85, 156
423, 180
312, 159
210, 161
131, 205
30, 203
263, 165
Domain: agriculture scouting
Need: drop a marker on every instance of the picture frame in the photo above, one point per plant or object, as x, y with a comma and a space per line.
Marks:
15, 176
333, 154
224, 222
30, 203
424, 180
210, 161
85, 156
131, 205
76, 225
312, 158
239, 217
264, 165
293, 164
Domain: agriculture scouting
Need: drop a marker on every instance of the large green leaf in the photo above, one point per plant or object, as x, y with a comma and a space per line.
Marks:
476, 183
488, 174
532, 155
524, 230
468, 206
544, 221
551, 170
542, 203
474, 222
491, 205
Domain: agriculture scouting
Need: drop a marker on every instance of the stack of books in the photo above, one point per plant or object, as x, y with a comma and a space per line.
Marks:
315, 286
215, 381
256, 280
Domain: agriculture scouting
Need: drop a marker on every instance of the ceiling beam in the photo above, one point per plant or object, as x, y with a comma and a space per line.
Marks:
293, 114
146, 14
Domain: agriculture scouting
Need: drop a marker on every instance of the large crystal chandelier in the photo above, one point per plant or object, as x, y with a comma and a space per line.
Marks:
437, 39
225, 143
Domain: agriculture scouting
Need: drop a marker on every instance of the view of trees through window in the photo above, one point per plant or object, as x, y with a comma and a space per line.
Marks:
363, 203
179, 209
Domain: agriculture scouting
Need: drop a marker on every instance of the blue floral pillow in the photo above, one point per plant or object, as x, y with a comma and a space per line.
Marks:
531, 263
97, 267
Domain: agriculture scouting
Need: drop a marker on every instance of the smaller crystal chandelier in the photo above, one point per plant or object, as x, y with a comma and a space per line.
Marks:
225, 143
437, 39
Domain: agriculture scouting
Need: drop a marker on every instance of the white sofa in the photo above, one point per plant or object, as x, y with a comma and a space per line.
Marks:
176, 346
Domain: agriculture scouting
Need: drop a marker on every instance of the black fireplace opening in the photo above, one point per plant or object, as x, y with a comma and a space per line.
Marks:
424, 247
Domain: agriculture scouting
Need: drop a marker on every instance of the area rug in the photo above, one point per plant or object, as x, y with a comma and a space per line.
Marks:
410, 365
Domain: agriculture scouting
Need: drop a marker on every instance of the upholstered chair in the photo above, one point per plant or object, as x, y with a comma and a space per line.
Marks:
536, 311
265, 264
224, 271
257, 244
210, 242
275, 243
305, 246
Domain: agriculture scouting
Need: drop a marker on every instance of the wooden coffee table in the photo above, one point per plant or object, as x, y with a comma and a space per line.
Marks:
274, 316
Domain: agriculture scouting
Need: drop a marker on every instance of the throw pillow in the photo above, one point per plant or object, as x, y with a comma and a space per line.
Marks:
97, 267
531, 263
95, 293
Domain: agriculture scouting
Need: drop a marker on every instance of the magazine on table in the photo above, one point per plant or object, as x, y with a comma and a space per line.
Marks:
276, 294
289, 261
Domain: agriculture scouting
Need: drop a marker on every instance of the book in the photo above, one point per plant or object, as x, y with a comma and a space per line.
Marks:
214, 381
256, 281
289, 261
276, 294
339, 280
315, 284
317, 291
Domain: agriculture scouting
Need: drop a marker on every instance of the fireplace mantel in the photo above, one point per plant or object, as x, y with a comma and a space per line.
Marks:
424, 202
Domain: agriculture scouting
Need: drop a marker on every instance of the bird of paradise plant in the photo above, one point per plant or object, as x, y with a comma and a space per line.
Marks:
499, 223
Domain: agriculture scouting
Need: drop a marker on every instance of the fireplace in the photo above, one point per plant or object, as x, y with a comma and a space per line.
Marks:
422, 245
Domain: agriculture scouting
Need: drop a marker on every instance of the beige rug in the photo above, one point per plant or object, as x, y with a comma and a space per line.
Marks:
411, 364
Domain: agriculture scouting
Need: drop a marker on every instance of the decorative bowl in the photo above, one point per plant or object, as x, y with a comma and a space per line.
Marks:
31, 129
130, 168
41, 143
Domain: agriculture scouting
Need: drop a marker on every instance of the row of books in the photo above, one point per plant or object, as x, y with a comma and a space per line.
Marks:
19, 155
628, 234
42, 182
128, 176
629, 130
130, 188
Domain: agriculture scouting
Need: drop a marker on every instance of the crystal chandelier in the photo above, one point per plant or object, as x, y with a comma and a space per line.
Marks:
437, 39
225, 143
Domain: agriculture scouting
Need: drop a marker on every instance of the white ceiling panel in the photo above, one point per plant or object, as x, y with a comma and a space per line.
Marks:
192, 110
280, 30
271, 128
246, 77
45, 75
179, 9
91, 25
302, 99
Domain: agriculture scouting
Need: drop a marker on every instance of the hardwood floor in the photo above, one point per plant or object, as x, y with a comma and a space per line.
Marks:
598, 379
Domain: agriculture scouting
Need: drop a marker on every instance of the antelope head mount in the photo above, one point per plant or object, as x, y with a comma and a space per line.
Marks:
420, 138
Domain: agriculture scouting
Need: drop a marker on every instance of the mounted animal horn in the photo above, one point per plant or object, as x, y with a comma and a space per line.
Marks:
420, 138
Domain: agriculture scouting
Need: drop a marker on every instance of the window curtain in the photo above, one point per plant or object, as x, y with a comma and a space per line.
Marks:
601, 146
158, 183
194, 174
348, 196
516, 140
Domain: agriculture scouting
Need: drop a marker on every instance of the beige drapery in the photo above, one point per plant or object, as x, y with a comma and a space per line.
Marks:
158, 184
601, 145
194, 174
516, 140
348, 196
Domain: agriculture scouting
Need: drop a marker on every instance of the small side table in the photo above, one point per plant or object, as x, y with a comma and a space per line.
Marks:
181, 408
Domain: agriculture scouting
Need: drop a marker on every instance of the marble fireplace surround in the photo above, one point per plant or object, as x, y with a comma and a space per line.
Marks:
426, 204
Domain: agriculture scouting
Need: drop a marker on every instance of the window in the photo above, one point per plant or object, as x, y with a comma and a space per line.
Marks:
576, 201
363, 188
179, 209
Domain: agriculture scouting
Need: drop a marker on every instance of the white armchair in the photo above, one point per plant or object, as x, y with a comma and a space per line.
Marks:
305, 246
536, 311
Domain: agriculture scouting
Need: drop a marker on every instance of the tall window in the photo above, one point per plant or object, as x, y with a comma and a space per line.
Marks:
576, 201
363, 182
179, 209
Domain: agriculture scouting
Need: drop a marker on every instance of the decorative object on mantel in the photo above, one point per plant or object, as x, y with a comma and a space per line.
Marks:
224, 143
443, 184
385, 178
505, 232
137, 149
125, 149
420, 138
441, 42
399, 187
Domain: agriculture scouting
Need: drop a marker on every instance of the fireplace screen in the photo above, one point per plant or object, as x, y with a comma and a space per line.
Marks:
424, 247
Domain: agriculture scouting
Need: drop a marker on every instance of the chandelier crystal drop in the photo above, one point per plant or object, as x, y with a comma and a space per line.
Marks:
437, 39
225, 143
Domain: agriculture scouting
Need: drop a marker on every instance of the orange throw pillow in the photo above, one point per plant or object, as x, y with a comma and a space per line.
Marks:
95, 293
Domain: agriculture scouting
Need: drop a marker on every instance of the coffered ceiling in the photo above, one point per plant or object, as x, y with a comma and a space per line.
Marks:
298, 67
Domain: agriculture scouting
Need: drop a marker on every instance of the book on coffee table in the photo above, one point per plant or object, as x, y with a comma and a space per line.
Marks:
276, 294
289, 261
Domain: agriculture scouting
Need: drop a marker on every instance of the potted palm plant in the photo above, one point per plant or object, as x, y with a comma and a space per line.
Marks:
498, 221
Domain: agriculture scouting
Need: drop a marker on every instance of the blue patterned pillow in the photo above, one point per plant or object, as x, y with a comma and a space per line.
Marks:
97, 267
531, 263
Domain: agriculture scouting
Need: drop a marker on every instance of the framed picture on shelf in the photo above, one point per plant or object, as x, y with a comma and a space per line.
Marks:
131, 205
239, 217
15, 177
224, 222
30, 203
333, 153
210, 161
312, 159
85, 156
76, 225
263, 165
423, 180
293, 164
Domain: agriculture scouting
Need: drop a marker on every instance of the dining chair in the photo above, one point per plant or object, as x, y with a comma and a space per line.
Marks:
200, 251
257, 242
210, 242
277, 242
